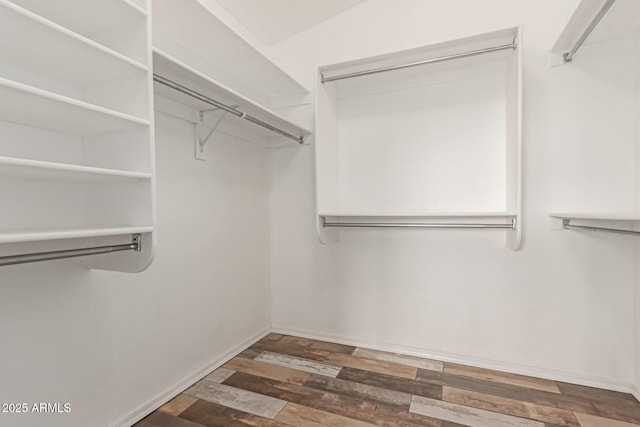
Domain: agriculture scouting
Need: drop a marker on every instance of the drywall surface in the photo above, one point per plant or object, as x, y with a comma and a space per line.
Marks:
108, 343
637, 342
563, 305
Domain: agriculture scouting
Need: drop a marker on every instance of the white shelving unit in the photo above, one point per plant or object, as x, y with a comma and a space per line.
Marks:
233, 73
427, 136
76, 136
599, 28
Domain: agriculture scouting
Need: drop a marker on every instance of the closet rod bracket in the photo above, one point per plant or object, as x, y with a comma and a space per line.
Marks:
200, 143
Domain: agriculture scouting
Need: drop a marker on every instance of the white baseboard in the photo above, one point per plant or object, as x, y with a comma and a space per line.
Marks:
532, 371
636, 392
185, 383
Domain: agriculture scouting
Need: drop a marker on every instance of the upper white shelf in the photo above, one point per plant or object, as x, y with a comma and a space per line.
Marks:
173, 69
98, 64
34, 169
27, 105
620, 22
86, 17
189, 32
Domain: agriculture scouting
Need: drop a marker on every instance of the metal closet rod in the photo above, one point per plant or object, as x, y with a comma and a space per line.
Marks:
512, 46
568, 56
192, 93
135, 245
567, 226
511, 225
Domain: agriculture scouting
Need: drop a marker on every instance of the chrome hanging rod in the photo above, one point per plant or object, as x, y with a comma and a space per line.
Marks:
568, 56
185, 90
511, 225
135, 245
512, 46
567, 226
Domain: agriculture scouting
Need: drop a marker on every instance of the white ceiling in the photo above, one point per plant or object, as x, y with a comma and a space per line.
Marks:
275, 20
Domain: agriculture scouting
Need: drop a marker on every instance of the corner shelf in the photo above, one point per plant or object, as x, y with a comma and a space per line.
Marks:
430, 135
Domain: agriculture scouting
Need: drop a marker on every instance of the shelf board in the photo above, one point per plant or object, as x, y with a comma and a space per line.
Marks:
75, 59
17, 236
593, 218
619, 23
189, 31
11, 167
604, 216
86, 16
35, 107
173, 69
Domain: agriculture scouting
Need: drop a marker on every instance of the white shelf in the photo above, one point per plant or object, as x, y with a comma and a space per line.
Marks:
604, 216
95, 64
595, 219
85, 17
57, 234
35, 107
173, 69
438, 142
619, 23
40, 170
188, 31
112, 23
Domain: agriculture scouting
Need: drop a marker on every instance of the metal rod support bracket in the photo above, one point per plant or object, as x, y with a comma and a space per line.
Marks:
203, 142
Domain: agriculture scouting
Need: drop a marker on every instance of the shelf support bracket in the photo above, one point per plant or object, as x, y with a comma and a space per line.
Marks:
200, 143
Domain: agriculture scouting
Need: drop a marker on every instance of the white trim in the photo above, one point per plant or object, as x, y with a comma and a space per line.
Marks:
635, 392
153, 404
550, 374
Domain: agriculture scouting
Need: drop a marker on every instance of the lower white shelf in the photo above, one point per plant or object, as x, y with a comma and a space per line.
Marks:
12, 167
34, 235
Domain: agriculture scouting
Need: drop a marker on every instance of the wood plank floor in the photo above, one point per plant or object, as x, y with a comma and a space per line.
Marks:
289, 381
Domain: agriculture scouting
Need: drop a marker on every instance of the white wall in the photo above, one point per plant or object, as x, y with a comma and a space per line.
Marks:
563, 305
108, 343
637, 296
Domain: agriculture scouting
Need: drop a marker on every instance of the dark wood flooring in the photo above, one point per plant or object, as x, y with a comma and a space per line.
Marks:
289, 381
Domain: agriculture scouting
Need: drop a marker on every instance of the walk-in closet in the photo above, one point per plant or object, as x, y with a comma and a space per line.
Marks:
320, 213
